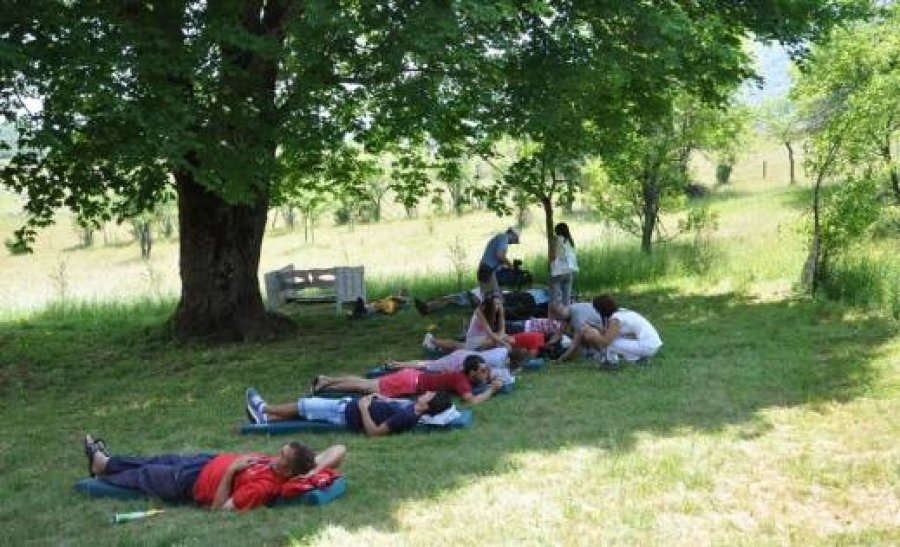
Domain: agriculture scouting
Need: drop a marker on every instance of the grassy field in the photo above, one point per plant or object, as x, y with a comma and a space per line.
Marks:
766, 419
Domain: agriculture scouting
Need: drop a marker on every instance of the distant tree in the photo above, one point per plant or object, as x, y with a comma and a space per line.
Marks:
649, 174
851, 111
725, 135
780, 119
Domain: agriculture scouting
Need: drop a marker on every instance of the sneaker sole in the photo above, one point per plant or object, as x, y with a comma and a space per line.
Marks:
252, 415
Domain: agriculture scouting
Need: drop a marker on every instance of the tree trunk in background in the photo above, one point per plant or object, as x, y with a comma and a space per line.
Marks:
547, 205
790, 150
650, 194
892, 170
145, 237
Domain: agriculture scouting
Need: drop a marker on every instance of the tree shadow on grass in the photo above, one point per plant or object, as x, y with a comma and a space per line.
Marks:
726, 359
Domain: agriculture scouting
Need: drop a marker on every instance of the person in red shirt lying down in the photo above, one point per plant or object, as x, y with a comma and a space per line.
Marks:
226, 481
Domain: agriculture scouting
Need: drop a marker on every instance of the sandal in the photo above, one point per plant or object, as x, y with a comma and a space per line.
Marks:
91, 447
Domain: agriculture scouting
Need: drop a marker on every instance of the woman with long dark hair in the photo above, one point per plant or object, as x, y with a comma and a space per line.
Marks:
563, 265
487, 329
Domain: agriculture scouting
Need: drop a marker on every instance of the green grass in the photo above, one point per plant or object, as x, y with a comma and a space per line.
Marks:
766, 419
759, 422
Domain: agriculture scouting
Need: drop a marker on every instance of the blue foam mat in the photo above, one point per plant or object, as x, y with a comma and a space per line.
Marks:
101, 489
293, 426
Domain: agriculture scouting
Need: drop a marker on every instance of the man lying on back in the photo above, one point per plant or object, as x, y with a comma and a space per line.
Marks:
220, 481
372, 414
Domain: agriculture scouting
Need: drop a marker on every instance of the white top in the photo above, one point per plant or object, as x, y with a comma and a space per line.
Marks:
453, 362
634, 325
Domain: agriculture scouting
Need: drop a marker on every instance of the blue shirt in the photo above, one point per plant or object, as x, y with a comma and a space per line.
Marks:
498, 243
399, 416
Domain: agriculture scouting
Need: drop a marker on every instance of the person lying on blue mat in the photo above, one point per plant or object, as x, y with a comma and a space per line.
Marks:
409, 381
372, 414
221, 481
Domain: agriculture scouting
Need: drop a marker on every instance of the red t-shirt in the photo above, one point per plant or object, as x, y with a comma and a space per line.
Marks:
256, 485
532, 341
456, 382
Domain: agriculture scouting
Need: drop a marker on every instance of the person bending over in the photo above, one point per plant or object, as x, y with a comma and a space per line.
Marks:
372, 414
628, 334
226, 481
409, 381
578, 317
493, 258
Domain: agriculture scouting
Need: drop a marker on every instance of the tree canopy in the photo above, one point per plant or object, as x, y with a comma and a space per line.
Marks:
140, 100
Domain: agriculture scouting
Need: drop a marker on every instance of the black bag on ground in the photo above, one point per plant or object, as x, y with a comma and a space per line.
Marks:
519, 306
514, 277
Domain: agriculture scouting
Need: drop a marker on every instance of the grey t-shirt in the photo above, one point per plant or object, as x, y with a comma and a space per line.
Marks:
499, 242
584, 313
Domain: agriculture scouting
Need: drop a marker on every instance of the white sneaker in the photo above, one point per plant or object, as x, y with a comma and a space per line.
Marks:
256, 407
612, 357
428, 341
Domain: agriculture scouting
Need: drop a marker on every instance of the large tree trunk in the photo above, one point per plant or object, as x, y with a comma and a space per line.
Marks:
221, 241
219, 260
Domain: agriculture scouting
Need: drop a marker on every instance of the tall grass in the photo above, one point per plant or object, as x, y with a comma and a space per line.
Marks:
865, 280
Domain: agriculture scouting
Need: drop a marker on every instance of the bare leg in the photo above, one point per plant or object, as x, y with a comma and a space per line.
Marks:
446, 343
353, 384
405, 364
285, 411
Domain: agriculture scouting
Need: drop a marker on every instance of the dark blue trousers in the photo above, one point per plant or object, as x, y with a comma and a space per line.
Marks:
168, 476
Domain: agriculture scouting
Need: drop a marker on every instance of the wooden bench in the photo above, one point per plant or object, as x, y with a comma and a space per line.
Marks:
340, 285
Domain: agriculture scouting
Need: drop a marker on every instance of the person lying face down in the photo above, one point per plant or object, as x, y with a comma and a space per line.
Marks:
372, 414
220, 481
409, 381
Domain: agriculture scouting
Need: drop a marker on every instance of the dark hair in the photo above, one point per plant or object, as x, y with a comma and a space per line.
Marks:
439, 403
491, 311
562, 229
517, 357
303, 459
605, 306
470, 363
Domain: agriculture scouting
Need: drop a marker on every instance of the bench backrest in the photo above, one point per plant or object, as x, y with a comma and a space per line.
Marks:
340, 284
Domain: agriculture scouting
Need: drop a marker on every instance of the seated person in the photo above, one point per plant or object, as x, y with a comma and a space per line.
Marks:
409, 381
628, 334
372, 414
486, 330
220, 481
